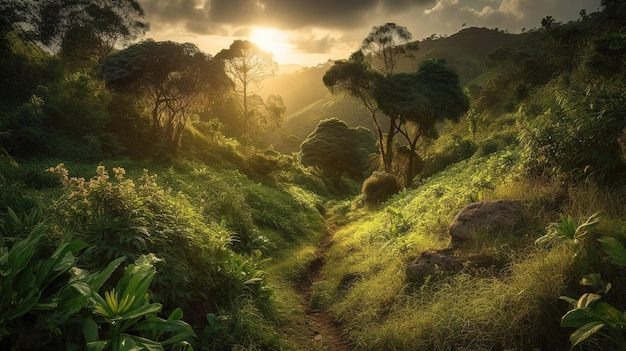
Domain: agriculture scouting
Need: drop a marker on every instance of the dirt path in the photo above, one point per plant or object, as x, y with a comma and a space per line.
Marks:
325, 333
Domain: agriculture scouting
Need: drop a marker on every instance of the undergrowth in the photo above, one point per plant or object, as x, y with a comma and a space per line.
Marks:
514, 307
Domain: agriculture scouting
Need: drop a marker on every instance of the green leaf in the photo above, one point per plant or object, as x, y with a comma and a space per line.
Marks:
614, 249
582, 333
97, 345
135, 343
577, 317
143, 310
97, 280
177, 314
587, 300
568, 300
608, 313
90, 330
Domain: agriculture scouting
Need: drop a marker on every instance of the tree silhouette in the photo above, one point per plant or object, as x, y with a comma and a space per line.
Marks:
170, 80
74, 25
247, 65
386, 44
355, 77
415, 102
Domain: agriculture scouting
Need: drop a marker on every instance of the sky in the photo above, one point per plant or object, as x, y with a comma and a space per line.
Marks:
310, 32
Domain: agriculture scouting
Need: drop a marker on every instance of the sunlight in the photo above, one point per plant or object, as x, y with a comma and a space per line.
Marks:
274, 41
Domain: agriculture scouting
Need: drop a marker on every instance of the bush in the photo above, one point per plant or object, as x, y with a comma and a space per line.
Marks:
379, 187
579, 135
338, 149
454, 151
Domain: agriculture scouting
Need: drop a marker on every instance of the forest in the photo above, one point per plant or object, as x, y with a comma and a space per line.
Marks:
455, 193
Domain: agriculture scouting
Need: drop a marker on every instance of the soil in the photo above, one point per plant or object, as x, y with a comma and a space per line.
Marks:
325, 333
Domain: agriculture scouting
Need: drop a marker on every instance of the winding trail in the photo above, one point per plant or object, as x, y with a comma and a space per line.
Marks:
326, 333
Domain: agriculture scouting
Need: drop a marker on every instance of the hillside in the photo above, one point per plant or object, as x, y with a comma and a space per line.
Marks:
308, 101
111, 241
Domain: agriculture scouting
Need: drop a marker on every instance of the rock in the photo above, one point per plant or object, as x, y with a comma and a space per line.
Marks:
489, 217
432, 263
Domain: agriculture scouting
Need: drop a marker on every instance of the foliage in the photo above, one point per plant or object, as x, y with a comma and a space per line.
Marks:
568, 229
379, 187
122, 217
126, 319
338, 149
386, 44
591, 315
247, 66
170, 79
29, 288
415, 102
356, 78
103, 25
579, 135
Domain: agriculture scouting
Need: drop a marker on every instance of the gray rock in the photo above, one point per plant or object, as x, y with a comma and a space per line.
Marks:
433, 264
489, 217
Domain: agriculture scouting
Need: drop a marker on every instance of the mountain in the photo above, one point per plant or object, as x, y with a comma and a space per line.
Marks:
308, 101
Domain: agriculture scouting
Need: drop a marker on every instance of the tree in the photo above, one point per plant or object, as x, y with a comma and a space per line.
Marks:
78, 26
337, 149
386, 44
355, 77
247, 65
171, 80
547, 22
415, 102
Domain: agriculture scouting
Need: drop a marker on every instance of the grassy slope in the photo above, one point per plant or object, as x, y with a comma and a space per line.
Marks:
513, 305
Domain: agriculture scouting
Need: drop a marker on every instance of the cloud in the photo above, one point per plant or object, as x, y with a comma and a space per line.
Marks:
312, 44
283, 14
509, 14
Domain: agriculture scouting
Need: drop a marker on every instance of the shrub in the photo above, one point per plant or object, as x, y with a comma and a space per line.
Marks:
579, 135
122, 217
338, 149
379, 187
456, 150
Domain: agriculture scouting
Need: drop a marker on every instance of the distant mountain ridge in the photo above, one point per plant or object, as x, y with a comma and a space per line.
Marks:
308, 101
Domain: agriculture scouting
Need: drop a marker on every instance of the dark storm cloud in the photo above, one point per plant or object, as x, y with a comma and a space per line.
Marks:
205, 16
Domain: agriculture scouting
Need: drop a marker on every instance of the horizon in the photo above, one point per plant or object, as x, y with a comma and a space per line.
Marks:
305, 34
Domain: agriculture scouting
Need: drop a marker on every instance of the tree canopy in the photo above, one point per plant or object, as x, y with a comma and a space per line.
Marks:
171, 78
415, 102
247, 65
386, 44
337, 149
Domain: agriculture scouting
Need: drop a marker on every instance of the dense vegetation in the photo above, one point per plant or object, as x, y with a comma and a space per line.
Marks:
129, 223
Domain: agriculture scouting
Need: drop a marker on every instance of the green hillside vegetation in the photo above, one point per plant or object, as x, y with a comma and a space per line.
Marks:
126, 224
465, 52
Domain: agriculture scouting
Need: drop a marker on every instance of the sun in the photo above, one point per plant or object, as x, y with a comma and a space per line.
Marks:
273, 41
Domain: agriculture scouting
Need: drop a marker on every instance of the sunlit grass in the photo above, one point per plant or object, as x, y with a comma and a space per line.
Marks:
517, 308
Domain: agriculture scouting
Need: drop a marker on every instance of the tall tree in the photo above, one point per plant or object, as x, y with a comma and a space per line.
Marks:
171, 80
78, 25
386, 45
356, 78
247, 65
415, 102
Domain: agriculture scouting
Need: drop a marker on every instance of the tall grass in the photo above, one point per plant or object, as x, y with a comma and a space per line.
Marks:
514, 307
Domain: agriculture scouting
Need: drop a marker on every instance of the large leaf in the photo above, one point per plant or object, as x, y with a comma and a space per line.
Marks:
614, 249
609, 314
577, 317
582, 333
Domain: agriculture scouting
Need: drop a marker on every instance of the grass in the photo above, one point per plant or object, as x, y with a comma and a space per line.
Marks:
515, 307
